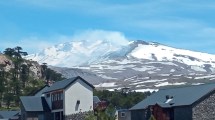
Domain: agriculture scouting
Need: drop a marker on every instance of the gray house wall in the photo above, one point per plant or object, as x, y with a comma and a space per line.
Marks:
183, 113
205, 110
138, 115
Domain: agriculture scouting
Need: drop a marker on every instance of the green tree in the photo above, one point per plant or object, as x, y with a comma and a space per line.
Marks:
24, 74
8, 98
90, 117
9, 52
2, 82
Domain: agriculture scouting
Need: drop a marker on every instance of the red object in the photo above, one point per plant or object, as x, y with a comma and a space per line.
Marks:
100, 106
159, 113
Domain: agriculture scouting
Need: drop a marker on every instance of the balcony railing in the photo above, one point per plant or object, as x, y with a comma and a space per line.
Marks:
57, 104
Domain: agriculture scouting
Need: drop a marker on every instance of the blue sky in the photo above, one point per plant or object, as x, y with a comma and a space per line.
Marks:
35, 24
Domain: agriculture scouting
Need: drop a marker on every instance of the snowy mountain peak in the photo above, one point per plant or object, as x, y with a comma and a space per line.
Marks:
75, 53
160, 52
84, 52
137, 64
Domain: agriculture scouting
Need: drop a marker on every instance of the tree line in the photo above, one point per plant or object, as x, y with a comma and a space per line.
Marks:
18, 80
118, 99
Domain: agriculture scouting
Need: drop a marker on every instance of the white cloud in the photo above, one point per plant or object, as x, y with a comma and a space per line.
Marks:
30, 45
113, 37
36, 44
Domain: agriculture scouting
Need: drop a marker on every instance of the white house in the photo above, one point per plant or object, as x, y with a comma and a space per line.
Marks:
63, 98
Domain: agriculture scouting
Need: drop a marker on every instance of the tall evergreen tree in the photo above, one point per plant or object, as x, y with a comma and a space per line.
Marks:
2, 82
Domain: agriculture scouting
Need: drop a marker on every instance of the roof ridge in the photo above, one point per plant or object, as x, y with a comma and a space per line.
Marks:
187, 86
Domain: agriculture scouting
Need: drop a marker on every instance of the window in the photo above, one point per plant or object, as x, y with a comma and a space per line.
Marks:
122, 114
57, 96
78, 102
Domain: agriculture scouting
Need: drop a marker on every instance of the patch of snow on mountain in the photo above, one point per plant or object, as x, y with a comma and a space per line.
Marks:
163, 74
112, 84
197, 68
122, 62
172, 70
111, 67
212, 69
118, 72
140, 85
131, 78
151, 72
144, 68
163, 62
167, 83
197, 83
165, 53
212, 78
107, 77
146, 90
205, 77
148, 81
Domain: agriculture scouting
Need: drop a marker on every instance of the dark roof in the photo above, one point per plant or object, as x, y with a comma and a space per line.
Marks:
34, 103
181, 96
65, 83
8, 114
123, 110
39, 92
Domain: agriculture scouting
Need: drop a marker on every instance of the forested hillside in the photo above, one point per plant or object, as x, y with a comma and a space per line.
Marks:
19, 76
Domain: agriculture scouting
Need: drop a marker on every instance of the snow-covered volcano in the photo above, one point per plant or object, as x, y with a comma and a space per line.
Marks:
76, 53
139, 65
85, 53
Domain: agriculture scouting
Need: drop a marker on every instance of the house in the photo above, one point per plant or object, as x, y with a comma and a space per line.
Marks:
123, 114
60, 101
9, 115
184, 103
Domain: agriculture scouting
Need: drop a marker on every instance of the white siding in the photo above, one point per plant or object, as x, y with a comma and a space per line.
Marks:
78, 91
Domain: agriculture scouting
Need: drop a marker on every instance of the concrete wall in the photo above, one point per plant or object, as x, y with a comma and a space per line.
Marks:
78, 91
205, 110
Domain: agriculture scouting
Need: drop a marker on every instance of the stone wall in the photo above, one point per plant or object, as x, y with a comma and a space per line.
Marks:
78, 116
205, 110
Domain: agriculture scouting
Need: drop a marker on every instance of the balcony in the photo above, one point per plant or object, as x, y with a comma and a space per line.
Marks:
57, 104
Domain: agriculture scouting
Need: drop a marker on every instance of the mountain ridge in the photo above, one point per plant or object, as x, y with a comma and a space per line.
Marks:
138, 65
74, 52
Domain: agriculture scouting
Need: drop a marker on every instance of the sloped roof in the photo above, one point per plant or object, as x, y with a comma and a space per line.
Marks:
41, 91
34, 103
65, 83
181, 96
8, 114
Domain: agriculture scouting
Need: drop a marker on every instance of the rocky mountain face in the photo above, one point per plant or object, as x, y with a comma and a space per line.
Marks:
35, 68
139, 65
